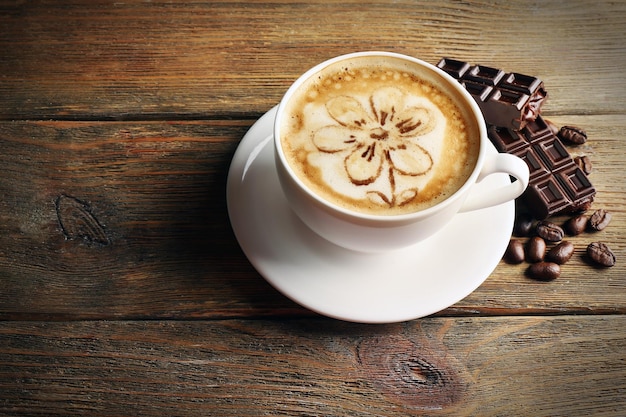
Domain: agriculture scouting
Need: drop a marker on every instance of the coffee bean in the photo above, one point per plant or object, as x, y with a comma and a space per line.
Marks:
544, 271
573, 135
584, 163
576, 225
561, 253
535, 249
523, 225
599, 219
549, 231
514, 253
601, 254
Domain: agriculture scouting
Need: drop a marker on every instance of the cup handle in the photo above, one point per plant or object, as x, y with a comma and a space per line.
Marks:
499, 163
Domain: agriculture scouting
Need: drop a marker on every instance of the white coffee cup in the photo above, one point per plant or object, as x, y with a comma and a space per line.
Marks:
369, 232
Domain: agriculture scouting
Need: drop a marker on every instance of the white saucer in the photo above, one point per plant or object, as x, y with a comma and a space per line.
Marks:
353, 286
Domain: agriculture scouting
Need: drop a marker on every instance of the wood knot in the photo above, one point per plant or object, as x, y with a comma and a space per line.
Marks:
414, 369
414, 375
78, 222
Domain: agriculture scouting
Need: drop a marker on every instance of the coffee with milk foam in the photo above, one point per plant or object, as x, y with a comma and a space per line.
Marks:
372, 135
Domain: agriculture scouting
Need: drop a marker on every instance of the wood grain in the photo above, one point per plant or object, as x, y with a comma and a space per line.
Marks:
162, 247
557, 366
158, 192
123, 290
163, 60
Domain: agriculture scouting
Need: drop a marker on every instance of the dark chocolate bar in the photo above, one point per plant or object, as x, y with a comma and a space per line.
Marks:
557, 185
509, 100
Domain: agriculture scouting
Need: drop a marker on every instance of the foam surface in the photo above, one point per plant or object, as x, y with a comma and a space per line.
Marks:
377, 138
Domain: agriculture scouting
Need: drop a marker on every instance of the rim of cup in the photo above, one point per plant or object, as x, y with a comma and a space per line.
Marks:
449, 81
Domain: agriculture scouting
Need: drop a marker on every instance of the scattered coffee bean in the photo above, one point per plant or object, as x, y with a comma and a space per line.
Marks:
549, 231
599, 220
573, 135
576, 225
535, 249
545, 265
514, 253
584, 163
552, 126
561, 253
544, 271
601, 254
523, 225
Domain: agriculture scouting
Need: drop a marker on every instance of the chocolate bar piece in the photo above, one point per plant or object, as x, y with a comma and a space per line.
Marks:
557, 184
506, 99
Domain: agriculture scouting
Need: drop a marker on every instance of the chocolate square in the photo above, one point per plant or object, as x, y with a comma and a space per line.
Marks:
546, 197
484, 75
576, 183
553, 153
453, 67
480, 92
535, 164
522, 83
506, 140
537, 130
505, 107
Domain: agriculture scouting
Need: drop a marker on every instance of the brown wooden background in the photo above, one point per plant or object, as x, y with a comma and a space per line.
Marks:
123, 290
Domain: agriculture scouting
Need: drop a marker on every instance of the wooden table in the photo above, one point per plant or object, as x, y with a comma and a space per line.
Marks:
123, 290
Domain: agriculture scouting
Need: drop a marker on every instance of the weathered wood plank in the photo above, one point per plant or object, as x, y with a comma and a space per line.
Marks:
129, 220
557, 366
115, 210
164, 60
109, 219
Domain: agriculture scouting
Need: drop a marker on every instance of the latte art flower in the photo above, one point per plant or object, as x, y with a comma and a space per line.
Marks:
382, 140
